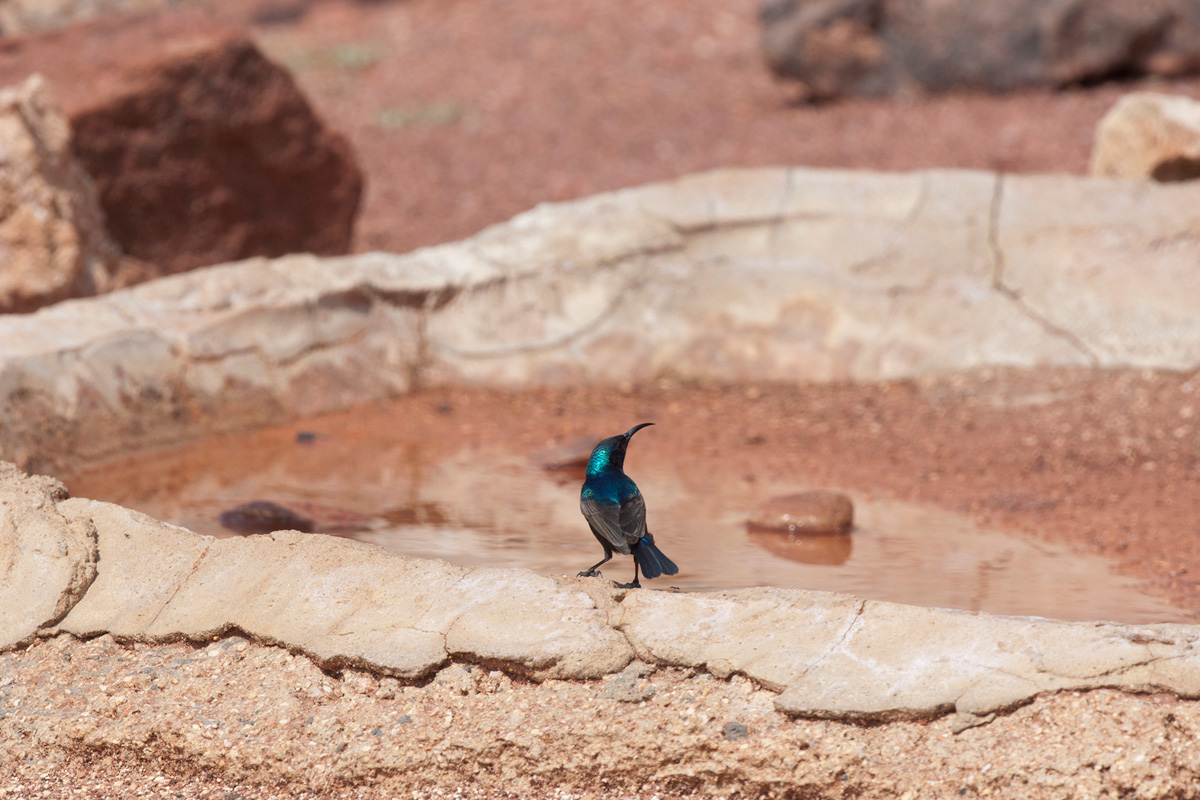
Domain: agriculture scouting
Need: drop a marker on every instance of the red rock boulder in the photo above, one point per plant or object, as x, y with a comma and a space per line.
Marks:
203, 150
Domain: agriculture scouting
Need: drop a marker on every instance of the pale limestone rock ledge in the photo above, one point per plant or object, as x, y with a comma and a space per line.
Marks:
344, 603
763, 274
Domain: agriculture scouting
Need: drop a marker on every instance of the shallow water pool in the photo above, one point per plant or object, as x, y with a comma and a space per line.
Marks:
495, 506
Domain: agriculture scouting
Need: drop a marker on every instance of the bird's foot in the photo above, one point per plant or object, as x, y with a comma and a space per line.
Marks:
590, 573
634, 585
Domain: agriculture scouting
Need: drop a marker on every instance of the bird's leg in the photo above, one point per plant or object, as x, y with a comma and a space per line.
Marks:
593, 571
635, 584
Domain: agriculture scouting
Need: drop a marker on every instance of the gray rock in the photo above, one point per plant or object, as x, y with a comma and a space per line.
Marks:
882, 47
47, 560
624, 688
734, 730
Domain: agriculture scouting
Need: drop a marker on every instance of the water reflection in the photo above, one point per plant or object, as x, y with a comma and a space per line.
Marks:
490, 507
832, 550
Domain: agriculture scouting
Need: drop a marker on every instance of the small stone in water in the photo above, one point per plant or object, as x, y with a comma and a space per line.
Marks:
815, 512
263, 516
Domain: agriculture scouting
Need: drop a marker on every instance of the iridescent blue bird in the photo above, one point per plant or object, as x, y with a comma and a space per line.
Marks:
616, 511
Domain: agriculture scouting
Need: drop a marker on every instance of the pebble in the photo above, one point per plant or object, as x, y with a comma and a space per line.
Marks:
734, 730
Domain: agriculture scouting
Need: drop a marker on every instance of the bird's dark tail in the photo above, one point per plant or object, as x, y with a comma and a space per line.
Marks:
652, 560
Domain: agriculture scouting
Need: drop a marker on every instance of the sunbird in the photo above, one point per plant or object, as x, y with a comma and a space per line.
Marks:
615, 510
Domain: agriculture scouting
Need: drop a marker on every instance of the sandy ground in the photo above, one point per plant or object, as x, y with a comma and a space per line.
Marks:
235, 720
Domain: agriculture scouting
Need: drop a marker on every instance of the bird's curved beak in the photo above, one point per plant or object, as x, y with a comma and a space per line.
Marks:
629, 433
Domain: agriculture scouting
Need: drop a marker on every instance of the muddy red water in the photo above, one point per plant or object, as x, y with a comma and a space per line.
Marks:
1069, 494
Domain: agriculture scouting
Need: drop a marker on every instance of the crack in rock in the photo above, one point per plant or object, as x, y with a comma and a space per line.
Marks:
1012, 294
179, 585
854, 623
892, 246
785, 199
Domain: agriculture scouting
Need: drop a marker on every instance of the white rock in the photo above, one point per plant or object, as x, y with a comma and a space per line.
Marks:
47, 561
51, 227
1149, 135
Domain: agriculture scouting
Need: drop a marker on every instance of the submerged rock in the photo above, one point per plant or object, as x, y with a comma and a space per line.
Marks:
804, 548
263, 516
816, 512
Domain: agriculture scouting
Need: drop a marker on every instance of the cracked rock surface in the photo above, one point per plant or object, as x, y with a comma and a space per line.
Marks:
765, 274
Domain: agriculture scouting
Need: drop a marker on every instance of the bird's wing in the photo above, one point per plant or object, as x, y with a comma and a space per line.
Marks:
606, 522
633, 518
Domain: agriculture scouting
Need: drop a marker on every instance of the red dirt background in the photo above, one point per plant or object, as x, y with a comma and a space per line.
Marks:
466, 112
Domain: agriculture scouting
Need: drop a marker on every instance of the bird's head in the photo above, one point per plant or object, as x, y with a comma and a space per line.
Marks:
610, 453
